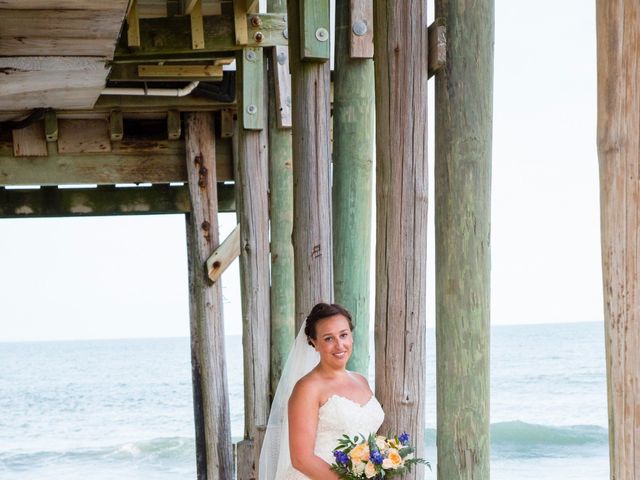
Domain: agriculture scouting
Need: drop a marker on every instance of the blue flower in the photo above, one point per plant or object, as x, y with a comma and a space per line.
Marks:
404, 438
376, 457
341, 457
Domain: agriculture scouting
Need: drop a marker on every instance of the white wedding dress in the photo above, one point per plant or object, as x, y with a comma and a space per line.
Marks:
339, 416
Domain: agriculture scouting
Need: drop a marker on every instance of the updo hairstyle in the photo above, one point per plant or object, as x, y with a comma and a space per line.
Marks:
321, 311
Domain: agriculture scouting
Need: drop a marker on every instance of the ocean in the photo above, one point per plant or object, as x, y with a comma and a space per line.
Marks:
98, 410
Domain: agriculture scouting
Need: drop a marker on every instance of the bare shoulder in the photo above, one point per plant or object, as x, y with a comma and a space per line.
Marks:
360, 379
306, 390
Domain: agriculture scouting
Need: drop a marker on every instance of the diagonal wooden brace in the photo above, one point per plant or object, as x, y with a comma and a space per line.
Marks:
224, 255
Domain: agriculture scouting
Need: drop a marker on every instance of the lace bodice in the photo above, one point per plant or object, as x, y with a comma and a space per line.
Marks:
340, 415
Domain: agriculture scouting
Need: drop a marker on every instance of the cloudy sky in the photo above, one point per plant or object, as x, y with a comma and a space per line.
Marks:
120, 277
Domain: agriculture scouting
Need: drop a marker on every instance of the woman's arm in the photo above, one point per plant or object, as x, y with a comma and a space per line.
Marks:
303, 424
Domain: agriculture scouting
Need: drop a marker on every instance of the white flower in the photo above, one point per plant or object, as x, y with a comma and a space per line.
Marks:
370, 470
358, 468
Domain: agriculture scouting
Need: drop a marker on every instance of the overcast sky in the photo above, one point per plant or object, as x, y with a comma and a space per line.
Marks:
120, 277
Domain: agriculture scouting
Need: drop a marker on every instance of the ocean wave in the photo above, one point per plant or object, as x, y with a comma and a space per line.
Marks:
165, 450
517, 439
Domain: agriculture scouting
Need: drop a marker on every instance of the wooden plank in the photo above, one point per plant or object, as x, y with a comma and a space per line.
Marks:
116, 129
224, 255
117, 5
252, 200
56, 82
618, 134
129, 162
51, 126
107, 200
133, 25
192, 71
361, 28
282, 86
437, 46
60, 32
353, 139
30, 141
226, 123
162, 37
188, 6
253, 89
83, 136
401, 217
282, 298
155, 104
207, 324
311, 143
247, 464
464, 106
197, 26
240, 22
174, 125
314, 27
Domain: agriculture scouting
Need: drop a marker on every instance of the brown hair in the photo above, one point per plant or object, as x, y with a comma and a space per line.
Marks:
320, 311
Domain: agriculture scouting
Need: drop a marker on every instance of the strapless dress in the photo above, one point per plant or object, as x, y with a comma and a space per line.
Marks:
338, 416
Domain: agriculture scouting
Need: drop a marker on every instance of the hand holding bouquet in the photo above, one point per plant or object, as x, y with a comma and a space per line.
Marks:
374, 457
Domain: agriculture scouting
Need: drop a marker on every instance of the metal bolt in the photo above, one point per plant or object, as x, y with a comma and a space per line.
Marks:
285, 33
322, 34
258, 37
251, 55
282, 58
252, 109
256, 21
359, 27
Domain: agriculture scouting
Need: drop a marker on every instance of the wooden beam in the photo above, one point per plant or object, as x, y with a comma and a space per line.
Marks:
161, 37
226, 123
437, 46
310, 87
252, 89
211, 393
401, 217
130, 161
314, 30
174, 125
353, 139
197, 26
198, 72
282, 86
51, 126
618, 131
464, 108
224, 255
240, 22
116, 129
282, 298
30, 141
361, 29
85, 136
138, 104
133, 25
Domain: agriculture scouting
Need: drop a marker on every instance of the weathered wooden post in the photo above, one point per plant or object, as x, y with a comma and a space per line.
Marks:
309, 63
464, 106
211, 400
353, 113
252, 206
281, 204
618, 33
401, 220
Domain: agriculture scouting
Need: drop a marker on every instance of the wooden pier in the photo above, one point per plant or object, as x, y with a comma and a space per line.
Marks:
206, 106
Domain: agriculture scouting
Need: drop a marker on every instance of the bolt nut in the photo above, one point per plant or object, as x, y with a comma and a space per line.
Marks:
359, 27
252, 109
258, 37
322, 34
256, 21
251, 55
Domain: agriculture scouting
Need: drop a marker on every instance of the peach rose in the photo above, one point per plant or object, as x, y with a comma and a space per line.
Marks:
360, 453
370, 470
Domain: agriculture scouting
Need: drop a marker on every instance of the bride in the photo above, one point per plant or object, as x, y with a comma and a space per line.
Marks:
317, 401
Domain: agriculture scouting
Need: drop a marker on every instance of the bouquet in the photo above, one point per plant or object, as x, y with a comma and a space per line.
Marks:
374, 457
